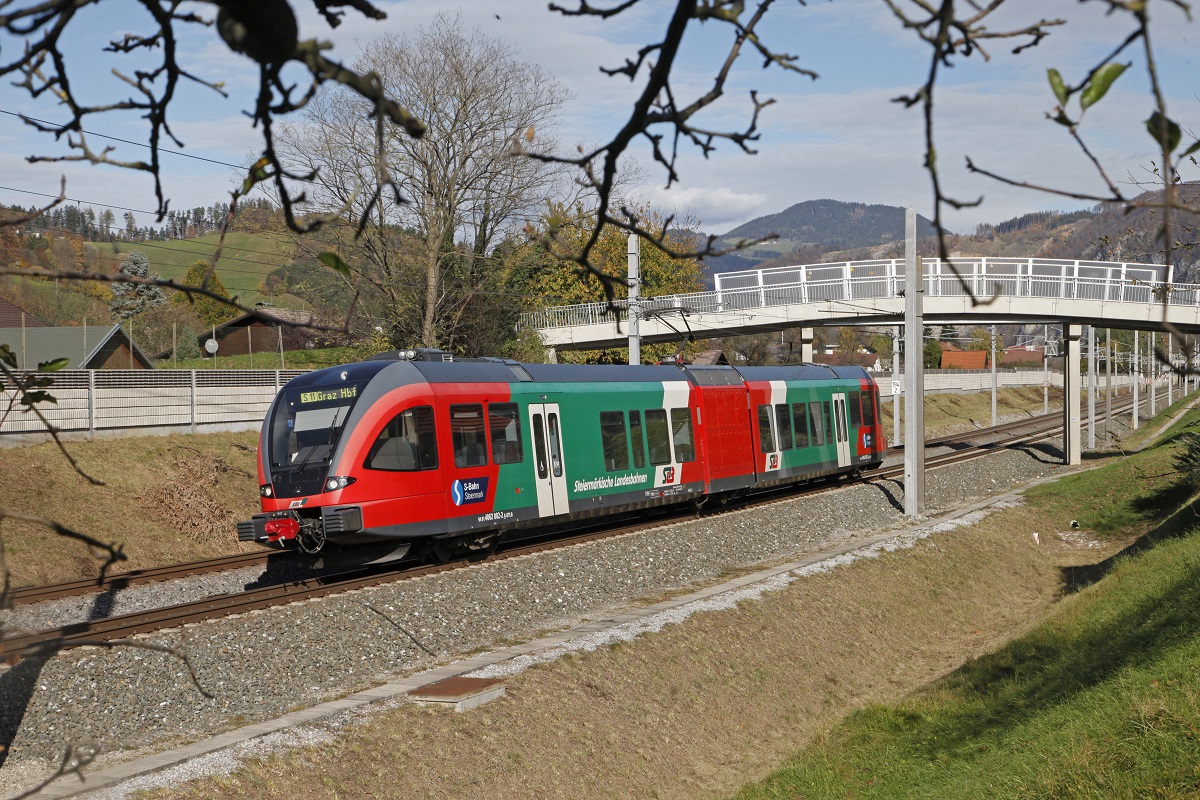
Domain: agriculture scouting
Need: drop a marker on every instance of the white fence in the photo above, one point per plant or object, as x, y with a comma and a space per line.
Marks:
138, 402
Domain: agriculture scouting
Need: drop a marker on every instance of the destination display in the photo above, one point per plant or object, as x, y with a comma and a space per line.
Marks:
324, 396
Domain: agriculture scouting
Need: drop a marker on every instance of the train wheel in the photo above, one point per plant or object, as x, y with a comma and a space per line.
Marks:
441, 551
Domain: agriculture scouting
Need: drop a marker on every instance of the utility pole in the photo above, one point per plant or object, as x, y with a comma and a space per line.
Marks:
1045, 369
1092, 387
914, 373
635, 311
1108, 353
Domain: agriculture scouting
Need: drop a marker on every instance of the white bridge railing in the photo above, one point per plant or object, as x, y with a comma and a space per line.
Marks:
884, 278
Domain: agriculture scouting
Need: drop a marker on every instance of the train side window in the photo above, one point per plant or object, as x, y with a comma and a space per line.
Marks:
783, 424
681, 425
829, 429
766, 437
818, 423
539, 446
658, 436
636, 439
504, 424
406, 444
612, 440
868, 408
467, 435
856, 417
800, 412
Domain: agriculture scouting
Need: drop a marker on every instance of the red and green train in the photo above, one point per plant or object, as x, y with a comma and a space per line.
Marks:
457, 453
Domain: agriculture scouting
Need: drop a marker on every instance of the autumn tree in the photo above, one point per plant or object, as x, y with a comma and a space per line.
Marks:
424, 252
209, 310
550, 279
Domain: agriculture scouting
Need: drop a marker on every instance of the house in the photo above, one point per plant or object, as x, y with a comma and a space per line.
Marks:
1022, 356
964, 359
84, 346
265, 330
13, 316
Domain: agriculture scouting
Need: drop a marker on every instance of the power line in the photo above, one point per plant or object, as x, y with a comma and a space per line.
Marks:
126, 141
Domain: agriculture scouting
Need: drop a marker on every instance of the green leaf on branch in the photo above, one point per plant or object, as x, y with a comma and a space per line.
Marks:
1158, 124
1102, 79
54, 366
30, 398
1057, 86
1194, 147
1062, 118
334, 261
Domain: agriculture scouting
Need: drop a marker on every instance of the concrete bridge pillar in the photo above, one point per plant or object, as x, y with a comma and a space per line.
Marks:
551, 355
806, 345
1072, 429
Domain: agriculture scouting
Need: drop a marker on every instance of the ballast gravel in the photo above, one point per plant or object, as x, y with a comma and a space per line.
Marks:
263, 664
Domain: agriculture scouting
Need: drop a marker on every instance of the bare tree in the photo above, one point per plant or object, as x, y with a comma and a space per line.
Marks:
465, 182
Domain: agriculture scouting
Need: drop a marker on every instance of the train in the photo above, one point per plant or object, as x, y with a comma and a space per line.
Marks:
416, 448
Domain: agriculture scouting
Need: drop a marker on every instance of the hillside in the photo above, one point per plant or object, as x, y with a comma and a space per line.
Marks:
826, 230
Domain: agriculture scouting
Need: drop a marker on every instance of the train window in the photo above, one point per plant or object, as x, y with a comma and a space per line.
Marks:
783, 424
868, 408
855, 403
467, 436
636, 438
555, 445
681, 425
504, 424
539, 446
612, 440
658, 436
800, 412
406, 444
829, 430
766, 438
818, 423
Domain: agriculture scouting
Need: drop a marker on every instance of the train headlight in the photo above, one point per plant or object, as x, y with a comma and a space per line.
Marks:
265, 490
337, 482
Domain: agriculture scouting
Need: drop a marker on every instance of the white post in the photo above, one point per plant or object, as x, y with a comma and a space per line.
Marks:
1070, 344
1108, 354
634, 280
992, 330
1045, 369
1135, 375
896, 384
914, 373
1152, 371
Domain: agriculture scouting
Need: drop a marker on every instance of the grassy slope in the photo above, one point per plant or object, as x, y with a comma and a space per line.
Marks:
246, 260
1101, 700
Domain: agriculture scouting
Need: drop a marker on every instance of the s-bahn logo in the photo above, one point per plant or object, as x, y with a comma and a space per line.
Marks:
774, 461
469, 491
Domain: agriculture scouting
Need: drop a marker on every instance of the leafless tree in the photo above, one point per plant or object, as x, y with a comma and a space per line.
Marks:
464, 182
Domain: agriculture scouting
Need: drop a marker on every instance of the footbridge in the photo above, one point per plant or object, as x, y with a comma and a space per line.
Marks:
962, 290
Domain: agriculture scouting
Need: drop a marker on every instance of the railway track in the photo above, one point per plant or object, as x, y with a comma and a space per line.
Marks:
16, 647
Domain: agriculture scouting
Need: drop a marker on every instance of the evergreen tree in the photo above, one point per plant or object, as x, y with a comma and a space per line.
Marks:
131, 299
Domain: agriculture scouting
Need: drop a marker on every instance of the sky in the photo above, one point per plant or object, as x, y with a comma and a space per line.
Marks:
840, 136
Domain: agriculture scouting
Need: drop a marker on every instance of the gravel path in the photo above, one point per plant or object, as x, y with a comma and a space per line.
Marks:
263, 664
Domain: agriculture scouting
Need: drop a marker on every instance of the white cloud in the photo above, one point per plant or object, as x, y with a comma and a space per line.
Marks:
716, 208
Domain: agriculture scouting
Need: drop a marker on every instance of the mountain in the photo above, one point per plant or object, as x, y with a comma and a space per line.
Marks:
810, 229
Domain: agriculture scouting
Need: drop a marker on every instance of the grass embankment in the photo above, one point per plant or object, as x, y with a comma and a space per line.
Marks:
1101, 700
1033, 666
166, 499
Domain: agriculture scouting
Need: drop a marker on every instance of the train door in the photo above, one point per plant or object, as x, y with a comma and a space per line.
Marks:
841, 429
546, 424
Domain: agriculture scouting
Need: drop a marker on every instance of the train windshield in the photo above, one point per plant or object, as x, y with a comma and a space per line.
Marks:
308, 422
